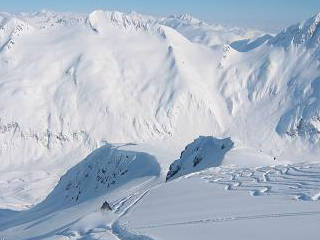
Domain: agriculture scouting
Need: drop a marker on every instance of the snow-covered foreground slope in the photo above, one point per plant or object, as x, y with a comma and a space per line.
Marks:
109, 173
200, 204
107, 101
193, 209
223, 203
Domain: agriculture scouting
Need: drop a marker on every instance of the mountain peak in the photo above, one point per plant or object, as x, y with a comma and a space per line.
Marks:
188, 18
306, 32
128, 21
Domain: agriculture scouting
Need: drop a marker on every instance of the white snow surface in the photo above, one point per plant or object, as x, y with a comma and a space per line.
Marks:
98, 107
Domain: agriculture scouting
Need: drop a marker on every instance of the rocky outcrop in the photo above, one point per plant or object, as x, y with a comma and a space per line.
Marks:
203, 153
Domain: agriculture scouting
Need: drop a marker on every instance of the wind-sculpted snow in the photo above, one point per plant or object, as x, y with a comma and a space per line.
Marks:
204, 152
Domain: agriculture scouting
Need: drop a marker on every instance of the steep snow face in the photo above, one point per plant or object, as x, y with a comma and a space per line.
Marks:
105, 169
204, 152
274, 92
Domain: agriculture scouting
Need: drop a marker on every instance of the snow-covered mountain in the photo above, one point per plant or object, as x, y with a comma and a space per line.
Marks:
71, 82
211, 35
305, 33
127, 92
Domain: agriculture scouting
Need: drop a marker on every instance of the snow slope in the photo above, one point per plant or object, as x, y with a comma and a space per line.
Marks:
193, 209
109, 173
203, 205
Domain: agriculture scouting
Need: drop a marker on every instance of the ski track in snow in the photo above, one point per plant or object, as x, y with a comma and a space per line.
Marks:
301, 182
231, 218
115, 231
118, 231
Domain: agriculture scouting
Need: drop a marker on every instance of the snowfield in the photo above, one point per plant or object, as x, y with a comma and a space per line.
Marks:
188, 130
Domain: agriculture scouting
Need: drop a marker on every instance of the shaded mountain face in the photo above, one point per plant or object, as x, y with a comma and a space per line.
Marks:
202, 153
71, 82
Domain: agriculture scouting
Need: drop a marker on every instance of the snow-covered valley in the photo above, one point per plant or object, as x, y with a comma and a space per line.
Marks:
187, 129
